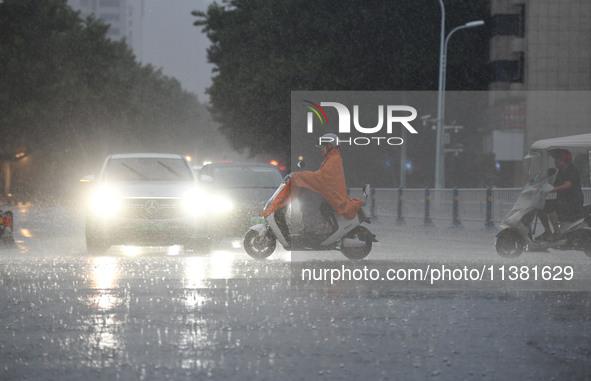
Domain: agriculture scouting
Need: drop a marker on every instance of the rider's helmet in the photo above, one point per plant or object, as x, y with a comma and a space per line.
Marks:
329, 138
562, 154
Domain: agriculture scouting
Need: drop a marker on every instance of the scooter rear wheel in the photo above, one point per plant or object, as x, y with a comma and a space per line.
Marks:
357, 253
509, 244
259, 246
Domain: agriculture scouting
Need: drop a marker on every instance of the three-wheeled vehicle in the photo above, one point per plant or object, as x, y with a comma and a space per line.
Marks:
519, 225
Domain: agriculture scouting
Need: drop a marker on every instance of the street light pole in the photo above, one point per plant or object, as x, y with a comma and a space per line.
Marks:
439, 142
440, 149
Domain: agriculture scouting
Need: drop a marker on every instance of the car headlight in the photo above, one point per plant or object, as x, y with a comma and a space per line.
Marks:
198, 202
221, 204
194, 202
105, 200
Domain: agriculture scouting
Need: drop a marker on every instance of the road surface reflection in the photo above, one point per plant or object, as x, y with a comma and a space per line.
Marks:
151, 301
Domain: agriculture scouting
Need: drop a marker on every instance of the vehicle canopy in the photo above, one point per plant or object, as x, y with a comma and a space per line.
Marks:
538, 163
566, 142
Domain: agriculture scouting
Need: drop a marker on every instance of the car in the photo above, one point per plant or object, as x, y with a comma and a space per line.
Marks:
146, 199
241, 190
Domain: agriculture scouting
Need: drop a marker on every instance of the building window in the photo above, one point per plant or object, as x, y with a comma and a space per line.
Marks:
505, 25
507, 70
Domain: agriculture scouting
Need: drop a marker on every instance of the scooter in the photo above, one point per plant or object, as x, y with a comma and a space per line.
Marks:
519, 225
347, 235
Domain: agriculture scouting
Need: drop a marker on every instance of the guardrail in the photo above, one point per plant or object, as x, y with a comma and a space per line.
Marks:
486, 205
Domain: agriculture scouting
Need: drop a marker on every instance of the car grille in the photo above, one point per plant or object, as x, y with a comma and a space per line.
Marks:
153, 209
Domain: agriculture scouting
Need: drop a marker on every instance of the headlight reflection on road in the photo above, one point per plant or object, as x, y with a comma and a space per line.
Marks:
132, 251
199, 270
194, 281
195, 273
104, 277
104, 343
222, 265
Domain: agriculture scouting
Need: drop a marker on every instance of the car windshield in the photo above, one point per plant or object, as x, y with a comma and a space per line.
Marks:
147, 169
246, 177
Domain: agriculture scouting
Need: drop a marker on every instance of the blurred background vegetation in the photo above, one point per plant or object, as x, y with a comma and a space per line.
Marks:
263, 49
69, 96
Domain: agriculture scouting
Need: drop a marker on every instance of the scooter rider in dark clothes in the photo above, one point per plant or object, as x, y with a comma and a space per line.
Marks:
569, 199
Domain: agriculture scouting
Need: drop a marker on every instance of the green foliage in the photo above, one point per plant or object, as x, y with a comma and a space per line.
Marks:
262, 50
70, 95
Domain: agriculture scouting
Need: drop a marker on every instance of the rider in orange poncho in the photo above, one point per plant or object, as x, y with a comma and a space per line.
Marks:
328, 181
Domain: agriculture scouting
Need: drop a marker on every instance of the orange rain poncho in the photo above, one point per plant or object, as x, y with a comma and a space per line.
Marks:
329, 181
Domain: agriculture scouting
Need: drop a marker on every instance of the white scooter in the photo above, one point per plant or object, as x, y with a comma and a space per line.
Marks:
347, 235
519, 225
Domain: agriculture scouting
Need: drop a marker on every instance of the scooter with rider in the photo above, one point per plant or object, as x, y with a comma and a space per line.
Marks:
566, 221
331, 220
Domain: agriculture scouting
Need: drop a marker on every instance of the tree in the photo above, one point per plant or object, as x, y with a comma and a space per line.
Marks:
262, 50
70, 95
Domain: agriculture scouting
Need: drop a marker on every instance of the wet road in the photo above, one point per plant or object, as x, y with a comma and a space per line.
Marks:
157, 313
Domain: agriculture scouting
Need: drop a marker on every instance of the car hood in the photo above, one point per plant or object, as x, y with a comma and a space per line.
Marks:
156, 189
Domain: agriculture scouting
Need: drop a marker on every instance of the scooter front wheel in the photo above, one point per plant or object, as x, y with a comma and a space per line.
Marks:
259, 246
509, 244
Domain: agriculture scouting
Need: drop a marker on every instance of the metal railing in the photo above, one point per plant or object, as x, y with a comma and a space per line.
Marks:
486, 205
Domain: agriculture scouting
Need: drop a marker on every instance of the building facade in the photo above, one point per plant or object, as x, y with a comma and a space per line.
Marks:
540, 67
123, 16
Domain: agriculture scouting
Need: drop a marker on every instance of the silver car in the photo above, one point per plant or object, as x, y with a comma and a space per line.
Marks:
239, 192
146, 199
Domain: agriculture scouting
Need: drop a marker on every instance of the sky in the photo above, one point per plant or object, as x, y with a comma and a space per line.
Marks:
171, 42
